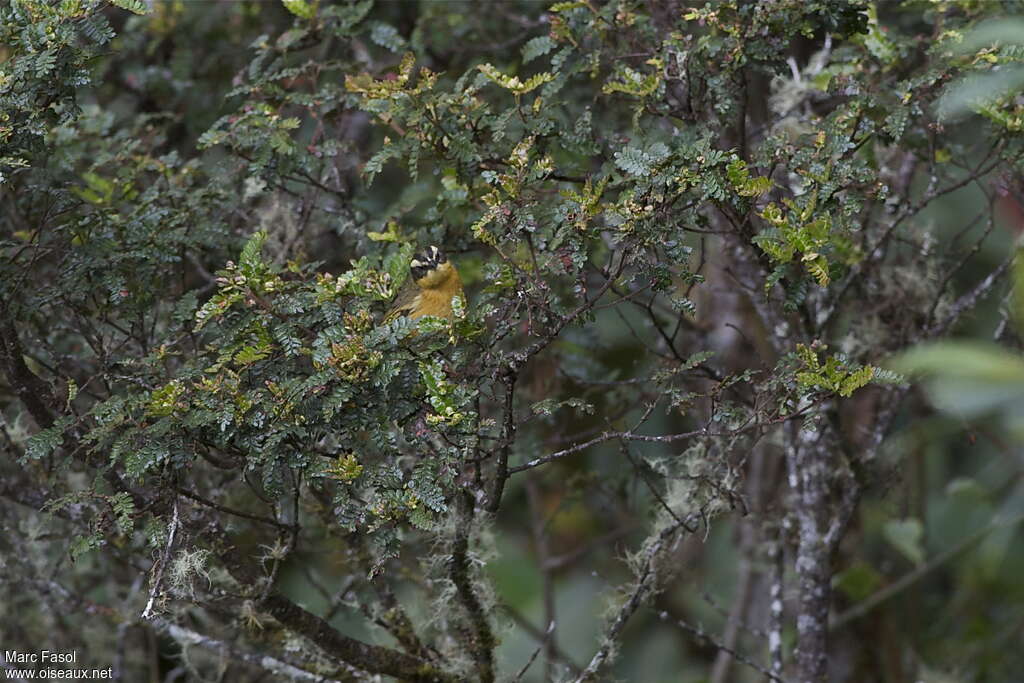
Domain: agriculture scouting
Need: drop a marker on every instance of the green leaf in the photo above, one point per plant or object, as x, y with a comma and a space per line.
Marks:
249, 355
42, 443
856, 380
641, 161
906, 536
746, 186
565, 6
387, 36
81, 545
424, 484
966, 360
631, 82
45, 62
858, 582
124, 512
97, 29
252, 252
300, 8
967, 378
513, 83
421, 517
346, 469
967, 488
876, 41
164, 401
134, 6
536, 47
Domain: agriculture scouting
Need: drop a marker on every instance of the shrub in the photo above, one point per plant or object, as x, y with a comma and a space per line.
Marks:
691, 237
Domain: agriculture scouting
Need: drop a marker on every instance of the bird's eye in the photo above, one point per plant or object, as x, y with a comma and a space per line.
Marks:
441, 256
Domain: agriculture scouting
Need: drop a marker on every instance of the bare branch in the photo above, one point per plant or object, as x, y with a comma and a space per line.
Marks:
722, 647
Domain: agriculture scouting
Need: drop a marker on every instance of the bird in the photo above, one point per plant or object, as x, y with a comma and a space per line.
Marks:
434, 283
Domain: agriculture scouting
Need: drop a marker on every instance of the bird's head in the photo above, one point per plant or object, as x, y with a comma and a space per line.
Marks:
431, 268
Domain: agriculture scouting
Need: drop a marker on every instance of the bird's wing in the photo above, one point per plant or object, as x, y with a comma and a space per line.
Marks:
405, 301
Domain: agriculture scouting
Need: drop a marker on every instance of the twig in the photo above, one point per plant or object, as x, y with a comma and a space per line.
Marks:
539, 636
720, 670
360, 654
148, 612
223, 508
656, 438
1004, 317
970, 299
187, 637
638, 468
761, 478
540, 540
519, 359
533, 657
875, 253
481, 640
568, 558
393, 618
607, 436
701, 633
508, 431
647, 583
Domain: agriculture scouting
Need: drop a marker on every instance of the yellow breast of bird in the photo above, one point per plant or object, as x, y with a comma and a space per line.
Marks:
437, 301
436, 290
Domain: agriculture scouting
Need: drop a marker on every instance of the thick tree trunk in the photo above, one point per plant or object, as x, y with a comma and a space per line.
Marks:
807, 460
